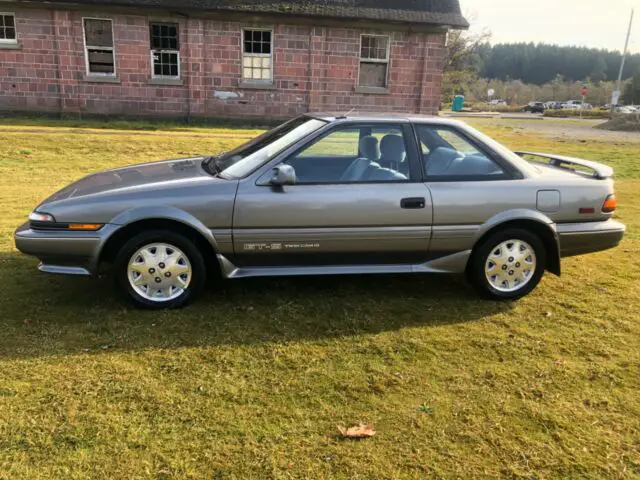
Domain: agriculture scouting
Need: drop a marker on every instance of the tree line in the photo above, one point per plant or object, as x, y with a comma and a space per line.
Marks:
540, 63
523, 72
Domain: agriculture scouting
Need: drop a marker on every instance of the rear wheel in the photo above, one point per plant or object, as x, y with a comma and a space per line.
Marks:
160, 269
508, 265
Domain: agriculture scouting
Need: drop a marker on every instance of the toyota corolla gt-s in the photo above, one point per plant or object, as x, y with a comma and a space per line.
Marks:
330, 194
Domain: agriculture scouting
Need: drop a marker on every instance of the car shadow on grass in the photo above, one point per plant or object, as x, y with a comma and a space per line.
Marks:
57, 315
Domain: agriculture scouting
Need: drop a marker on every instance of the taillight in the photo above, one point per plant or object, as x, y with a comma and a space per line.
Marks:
610, 204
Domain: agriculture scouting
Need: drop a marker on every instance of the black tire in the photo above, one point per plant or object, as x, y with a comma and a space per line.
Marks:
476, 268
194, 257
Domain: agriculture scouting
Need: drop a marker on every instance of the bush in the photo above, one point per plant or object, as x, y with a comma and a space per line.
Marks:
594, 113
485, 107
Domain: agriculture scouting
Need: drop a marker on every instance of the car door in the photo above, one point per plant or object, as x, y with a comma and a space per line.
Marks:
469, 185
345, 208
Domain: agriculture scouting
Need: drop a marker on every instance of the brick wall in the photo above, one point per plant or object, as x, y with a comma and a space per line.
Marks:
315, 68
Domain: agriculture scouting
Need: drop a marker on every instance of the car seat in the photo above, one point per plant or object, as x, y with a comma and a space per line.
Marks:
440, 160
474, 165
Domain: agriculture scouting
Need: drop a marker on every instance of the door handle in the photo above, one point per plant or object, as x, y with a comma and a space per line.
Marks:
413, 203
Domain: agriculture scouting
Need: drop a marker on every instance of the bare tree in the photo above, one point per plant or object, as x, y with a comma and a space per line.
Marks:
462, 62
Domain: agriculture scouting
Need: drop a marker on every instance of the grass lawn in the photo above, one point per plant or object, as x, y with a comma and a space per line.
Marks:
253, 381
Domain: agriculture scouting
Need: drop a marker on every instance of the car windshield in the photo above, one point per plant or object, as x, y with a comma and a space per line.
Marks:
242, 161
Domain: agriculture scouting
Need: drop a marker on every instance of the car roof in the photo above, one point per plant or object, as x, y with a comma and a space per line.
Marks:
383, 117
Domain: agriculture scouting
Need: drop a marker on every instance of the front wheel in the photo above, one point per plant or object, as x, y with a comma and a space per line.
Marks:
160, 270
508, 265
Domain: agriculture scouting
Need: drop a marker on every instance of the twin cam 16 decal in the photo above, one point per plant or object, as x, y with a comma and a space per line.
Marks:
261, 247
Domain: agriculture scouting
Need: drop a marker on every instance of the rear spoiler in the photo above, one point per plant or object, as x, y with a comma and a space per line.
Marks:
599, 170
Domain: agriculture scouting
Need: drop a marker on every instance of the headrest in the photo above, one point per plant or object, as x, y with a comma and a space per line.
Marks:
369, 148
392, 146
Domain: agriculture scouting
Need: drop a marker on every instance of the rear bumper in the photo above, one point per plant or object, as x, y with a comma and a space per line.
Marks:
581, 238
70, 253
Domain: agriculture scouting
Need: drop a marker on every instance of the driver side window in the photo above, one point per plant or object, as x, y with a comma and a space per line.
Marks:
354, 154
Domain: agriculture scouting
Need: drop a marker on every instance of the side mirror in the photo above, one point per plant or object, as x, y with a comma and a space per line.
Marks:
283, 175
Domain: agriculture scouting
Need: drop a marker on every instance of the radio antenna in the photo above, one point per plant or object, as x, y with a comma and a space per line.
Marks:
348, 113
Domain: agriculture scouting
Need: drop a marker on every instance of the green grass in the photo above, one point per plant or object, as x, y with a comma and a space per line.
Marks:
253, 380
131, 124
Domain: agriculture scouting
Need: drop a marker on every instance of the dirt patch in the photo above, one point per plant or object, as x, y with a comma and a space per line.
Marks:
622, 123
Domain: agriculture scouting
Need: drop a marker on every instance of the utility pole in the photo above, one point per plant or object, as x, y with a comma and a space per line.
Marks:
618, 91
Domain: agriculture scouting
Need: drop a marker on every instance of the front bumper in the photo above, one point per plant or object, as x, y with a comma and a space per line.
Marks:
581, 238
70, 253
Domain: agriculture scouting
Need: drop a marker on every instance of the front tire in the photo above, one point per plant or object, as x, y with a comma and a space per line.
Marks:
508, 265
160, 270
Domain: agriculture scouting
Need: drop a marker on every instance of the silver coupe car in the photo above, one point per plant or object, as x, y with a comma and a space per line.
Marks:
331, 194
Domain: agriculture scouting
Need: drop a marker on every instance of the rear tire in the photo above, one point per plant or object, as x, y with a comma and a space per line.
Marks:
508, 264
160, 269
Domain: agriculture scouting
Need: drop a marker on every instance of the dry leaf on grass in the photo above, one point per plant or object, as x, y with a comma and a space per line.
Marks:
361, 431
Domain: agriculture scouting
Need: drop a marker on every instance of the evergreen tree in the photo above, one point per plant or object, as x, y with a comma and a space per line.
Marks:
541, 63
631, 94
599, 73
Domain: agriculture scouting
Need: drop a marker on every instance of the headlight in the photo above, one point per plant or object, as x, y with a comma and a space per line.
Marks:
41, 217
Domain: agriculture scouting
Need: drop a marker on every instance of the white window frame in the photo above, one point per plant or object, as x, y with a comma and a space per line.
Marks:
10, 41
261, 55
87, 47
386, 60
153, 52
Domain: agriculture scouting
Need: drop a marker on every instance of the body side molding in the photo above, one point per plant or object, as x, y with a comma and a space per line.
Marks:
454, 263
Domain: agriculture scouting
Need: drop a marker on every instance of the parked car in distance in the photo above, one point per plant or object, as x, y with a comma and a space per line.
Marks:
573, 105
534, 107
498, 103
621, 108
330, 194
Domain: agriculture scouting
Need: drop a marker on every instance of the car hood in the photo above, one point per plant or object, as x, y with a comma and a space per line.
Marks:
167, 173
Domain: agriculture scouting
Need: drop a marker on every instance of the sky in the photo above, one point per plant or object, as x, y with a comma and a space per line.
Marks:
591, 23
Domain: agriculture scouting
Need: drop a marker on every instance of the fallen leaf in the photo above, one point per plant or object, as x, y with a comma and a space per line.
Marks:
548, 314
360, 431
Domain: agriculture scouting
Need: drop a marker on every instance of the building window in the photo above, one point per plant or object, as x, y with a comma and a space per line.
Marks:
8, 28
257, 55
98, 45
374, 61
165, 50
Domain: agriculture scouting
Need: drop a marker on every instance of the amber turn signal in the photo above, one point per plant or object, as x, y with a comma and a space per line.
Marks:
610, 204
91, 227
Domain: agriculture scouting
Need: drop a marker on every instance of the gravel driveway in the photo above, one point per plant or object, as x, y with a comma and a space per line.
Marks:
559, 129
